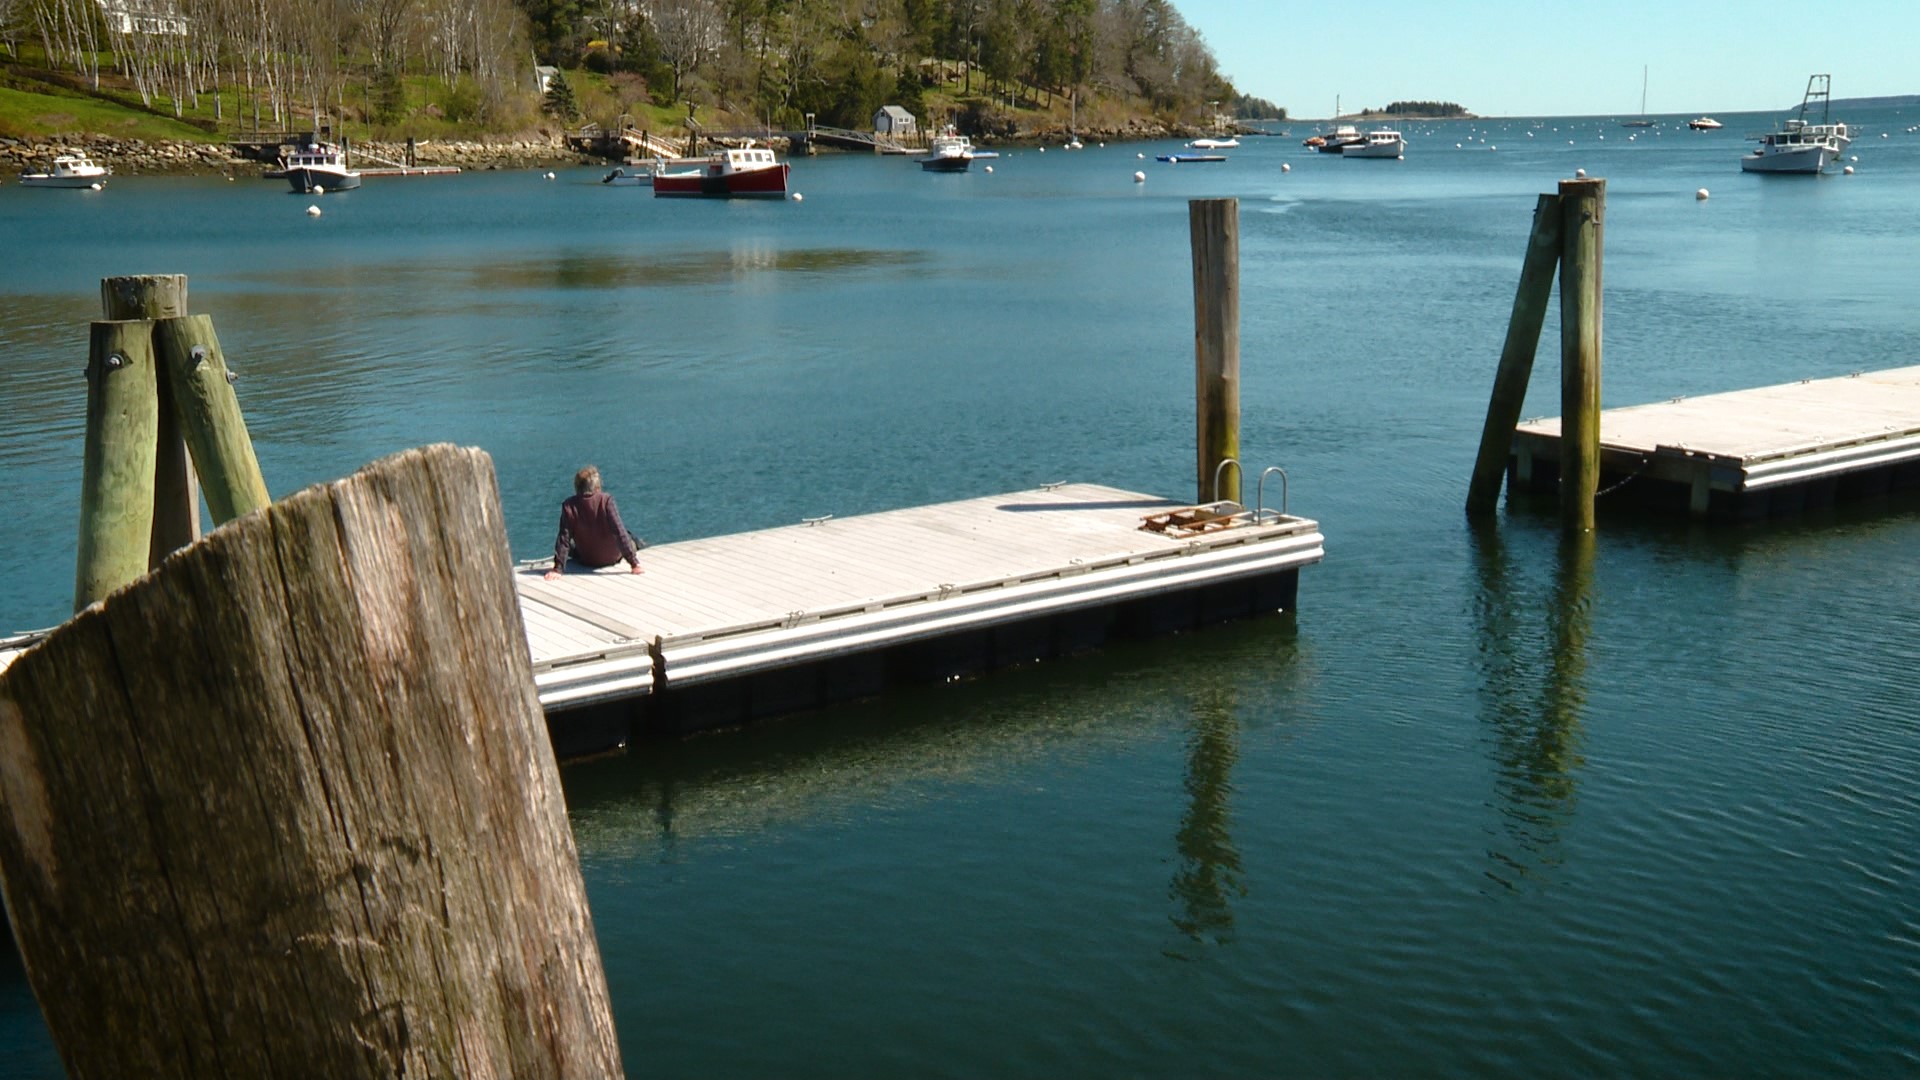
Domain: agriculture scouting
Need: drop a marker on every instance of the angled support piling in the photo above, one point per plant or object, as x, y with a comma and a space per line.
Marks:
1509, 396
1582, 229
1214, 225
286, 806
207, 413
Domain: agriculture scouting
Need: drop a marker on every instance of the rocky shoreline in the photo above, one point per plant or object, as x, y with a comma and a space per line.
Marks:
137, 157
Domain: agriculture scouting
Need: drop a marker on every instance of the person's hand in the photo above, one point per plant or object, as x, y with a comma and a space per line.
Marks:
636, 569
550, 575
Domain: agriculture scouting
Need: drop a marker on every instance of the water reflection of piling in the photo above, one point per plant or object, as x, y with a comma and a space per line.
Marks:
1209, 875
1537, 735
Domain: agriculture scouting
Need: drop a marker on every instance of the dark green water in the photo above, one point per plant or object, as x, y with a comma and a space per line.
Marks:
1489, 803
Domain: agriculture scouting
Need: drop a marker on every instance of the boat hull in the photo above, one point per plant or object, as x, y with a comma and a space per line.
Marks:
1178, 159
769, 183
45, 180
305, 180
947, 164
1375, 150
1806, 159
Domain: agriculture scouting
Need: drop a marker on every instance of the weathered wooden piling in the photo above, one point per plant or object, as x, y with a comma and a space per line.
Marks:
1582, 228
1530, 302
176, 517
116, 479
286, 806
207, 413
1214, 225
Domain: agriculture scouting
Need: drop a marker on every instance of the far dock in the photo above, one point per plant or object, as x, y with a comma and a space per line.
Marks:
1749, 454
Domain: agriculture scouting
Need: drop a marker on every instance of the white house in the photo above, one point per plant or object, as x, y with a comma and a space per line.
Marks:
893, 120
152, 17
543, 77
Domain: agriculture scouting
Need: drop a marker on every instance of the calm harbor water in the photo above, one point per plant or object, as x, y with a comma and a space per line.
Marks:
1488, 803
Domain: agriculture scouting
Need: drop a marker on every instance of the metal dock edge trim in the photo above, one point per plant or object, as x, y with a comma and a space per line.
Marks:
708, 660
1869, 455
604, 677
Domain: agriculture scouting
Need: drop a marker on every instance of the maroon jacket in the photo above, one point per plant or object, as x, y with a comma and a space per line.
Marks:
592, 534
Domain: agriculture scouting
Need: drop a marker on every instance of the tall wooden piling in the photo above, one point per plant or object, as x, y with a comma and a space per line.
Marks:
176, 517
116, 477
1509, 396
1214, 226
1582, 225
208, 414
287, 806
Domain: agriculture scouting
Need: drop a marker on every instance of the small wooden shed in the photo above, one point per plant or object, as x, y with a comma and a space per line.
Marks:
894, 120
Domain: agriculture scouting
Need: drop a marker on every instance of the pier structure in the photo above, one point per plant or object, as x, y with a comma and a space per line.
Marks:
1770, 451
727, 629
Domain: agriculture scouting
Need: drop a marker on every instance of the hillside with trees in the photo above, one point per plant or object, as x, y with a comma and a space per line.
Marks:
399, 67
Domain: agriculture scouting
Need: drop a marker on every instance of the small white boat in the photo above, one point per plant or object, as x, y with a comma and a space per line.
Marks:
320, 167
948, 152
1705, 123
1796, 148
73, 170
1336, 142
1800, 146
1383, 143
1229, 143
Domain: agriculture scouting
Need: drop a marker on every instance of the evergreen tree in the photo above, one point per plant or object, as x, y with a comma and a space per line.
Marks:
560, 100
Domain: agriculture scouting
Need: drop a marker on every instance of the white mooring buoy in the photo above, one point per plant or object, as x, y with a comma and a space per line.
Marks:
1848, 170
797, 197
1579, 174
313, 211
1701, 194
989, 168
1284, 167
1139, 178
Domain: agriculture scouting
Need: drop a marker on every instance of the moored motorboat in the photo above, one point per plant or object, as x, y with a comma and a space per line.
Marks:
319, 167
70, 170
629, 176
1228, 143
948, 152
1343, 136
1177, 159
1382, 143
747, 172
1705, 123
1801, 146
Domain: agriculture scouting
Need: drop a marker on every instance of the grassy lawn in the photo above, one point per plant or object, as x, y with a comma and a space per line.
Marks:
27, 113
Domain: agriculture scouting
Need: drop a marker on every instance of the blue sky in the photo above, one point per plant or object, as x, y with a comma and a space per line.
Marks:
1505, 58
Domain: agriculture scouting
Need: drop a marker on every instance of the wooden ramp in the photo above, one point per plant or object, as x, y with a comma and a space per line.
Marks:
1752, 453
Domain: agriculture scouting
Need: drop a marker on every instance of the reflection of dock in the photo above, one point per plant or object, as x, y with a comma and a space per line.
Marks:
1748, 454
725, 629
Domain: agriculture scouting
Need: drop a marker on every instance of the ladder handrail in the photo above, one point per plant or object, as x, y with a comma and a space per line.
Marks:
1220, 469
1260, 493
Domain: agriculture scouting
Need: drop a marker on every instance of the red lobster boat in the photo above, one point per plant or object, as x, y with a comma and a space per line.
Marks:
750, 171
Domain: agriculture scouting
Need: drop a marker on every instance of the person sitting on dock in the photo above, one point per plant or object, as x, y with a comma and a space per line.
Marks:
591, 532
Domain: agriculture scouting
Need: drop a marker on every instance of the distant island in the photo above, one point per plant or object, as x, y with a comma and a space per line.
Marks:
1895, 101
1421, 110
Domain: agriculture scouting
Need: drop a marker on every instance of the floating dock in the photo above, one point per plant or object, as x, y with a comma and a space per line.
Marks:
1748, 454
726, 629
